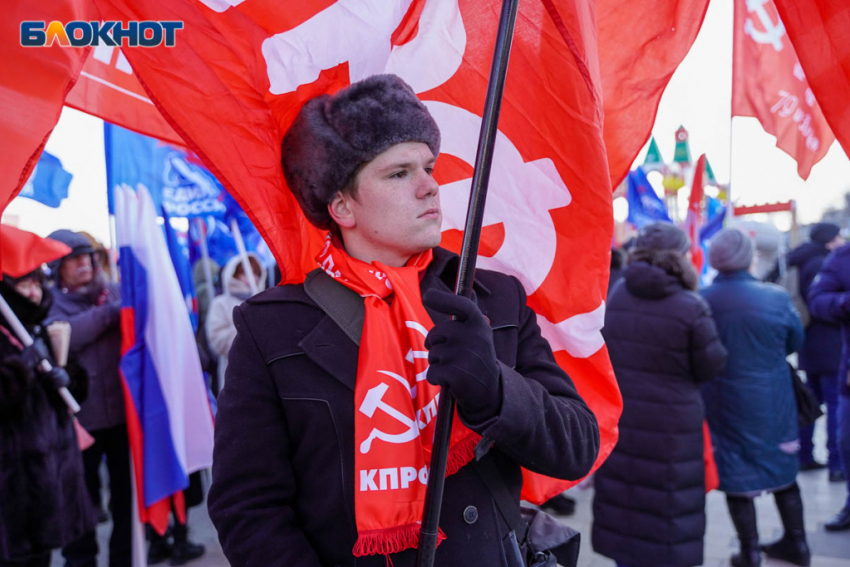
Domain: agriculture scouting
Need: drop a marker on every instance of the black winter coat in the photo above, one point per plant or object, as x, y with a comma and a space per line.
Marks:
44, 503
283, 467
821, 353
649, 506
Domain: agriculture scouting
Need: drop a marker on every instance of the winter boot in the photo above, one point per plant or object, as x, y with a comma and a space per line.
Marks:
184, 550
743, 512
792, 547
160, 548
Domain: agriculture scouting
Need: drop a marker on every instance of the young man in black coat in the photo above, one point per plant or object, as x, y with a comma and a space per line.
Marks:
288, 489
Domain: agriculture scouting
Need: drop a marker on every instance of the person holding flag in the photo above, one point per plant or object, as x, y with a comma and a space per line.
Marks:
324, 430
45, 504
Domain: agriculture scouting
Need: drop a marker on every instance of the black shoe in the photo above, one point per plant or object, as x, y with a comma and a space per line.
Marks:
837, 476
840, 522
791, 549
159, 551
560, 505
747, 558
182, 553
812, 466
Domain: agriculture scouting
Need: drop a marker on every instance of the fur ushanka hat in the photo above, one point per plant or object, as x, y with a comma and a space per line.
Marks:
334, 134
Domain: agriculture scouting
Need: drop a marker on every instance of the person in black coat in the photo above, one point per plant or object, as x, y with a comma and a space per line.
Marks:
44, 503
285, 482
649, 505
821, 352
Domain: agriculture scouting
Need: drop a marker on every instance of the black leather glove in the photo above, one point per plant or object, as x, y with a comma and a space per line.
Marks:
56, 378
34, 354
462, 357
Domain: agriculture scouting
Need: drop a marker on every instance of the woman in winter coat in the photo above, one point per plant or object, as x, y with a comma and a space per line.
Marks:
44, 503
751, 409
236, 288
649, 507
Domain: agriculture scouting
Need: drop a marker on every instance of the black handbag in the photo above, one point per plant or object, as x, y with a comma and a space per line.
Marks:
538, 539
808, 406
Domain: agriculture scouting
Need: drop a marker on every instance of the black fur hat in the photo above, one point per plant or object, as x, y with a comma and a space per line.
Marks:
333, 135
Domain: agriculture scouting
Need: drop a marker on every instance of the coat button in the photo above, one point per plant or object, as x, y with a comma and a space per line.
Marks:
470, 515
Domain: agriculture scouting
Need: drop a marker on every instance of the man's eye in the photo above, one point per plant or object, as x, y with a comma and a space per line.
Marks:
399, 174
429, 171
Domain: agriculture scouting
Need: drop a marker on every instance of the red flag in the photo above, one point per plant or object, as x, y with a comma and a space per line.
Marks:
768, 83
640, 44
33, 84
820, 32
23, 252
108, 89
239, 73
694, 220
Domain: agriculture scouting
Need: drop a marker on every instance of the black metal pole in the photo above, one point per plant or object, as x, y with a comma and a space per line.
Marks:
466, 273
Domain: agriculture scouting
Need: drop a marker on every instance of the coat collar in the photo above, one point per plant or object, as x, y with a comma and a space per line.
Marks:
327, 344
738, 276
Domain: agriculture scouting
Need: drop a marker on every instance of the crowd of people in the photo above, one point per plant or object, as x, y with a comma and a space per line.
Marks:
709, 397
686, 355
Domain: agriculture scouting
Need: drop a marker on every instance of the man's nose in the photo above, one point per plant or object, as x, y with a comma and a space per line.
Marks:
428, 186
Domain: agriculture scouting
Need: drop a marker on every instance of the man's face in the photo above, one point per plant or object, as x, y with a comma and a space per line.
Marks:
396, 213
76, 271
836, 242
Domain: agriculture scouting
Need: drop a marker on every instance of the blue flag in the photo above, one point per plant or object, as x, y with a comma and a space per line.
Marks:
179, 185
48, 183
645, 207
715, 215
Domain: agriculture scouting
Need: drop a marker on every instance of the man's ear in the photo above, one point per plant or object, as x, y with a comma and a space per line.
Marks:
340, 210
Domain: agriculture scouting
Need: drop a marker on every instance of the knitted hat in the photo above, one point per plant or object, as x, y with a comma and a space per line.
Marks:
663, 236
824, 232
334, 134
730, 251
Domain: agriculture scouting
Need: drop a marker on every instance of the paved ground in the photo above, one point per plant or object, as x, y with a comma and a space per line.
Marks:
821, 500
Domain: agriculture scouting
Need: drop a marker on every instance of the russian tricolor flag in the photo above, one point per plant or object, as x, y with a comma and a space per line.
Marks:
168, 415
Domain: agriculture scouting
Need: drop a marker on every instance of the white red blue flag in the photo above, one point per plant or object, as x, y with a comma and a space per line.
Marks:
168, 415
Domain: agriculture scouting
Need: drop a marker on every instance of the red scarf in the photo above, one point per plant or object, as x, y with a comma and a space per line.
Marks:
395, 406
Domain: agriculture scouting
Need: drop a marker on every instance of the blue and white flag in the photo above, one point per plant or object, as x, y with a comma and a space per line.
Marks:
48, 183
645, 206
179, 185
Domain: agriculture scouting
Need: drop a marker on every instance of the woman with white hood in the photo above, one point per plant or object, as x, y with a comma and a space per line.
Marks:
236, 288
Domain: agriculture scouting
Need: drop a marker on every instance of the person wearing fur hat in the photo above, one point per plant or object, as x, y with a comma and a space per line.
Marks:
820, 356
325, 423
44, 503
92, 306
751, 408
649, 504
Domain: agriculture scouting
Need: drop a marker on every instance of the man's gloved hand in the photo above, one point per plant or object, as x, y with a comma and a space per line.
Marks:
56, 378
462, 357
34, 354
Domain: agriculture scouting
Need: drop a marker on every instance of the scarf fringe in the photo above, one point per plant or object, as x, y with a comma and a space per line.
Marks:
461, 453
390, 540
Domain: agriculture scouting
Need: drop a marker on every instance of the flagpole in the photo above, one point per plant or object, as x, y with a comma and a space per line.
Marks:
466, 272
113, 250
201, 226
26, 340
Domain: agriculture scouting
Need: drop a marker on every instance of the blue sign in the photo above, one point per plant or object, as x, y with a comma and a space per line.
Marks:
179, 185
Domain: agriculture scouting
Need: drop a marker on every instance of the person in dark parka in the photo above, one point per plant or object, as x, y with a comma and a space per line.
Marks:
285, 483
751, 409
821, 352
829, 299
44, 503
649, 506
